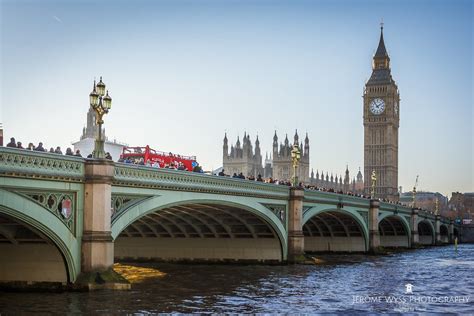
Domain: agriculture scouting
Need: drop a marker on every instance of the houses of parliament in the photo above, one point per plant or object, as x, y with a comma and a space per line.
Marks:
381, 117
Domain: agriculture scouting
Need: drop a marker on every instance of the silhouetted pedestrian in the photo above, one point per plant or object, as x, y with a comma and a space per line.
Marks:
40, 147
12, 143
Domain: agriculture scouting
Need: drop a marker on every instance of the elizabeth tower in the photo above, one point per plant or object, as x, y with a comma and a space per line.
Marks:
381, 121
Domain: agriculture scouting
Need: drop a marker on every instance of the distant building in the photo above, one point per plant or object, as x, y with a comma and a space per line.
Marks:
282, 163
87, 141
462, 205
242, 158
268, 167
338, 184
426, 201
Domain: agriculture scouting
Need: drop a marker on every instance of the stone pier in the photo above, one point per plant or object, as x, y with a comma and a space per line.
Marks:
97, 242
415, 239
295, 225
374, 236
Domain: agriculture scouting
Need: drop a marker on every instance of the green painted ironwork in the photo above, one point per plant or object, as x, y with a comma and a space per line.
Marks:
52, 202
32, 164
146, 177
121, 202
31, 213
279, 210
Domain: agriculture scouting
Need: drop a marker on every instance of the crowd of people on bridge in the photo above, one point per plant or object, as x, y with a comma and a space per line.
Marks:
307, 187
40, 148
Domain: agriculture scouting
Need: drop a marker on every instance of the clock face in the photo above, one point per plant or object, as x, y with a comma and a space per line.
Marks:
377, 106
395, 107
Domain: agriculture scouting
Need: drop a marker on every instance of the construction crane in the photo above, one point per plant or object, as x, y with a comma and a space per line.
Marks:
414, 191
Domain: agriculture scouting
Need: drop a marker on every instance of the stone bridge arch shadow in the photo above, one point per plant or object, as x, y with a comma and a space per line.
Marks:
444, 233
335, 230
35, 246
394, 231
426, 232
218, 229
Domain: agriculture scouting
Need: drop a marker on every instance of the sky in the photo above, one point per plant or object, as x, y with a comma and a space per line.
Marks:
182, 73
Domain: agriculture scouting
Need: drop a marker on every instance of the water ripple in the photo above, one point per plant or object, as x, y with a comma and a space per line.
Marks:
330, 288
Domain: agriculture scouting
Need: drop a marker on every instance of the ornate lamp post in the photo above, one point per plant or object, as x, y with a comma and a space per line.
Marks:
436, 206
295, 158
374, 181
101, 102
414, 197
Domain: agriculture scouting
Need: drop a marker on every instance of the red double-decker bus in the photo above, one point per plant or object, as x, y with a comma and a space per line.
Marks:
153, 157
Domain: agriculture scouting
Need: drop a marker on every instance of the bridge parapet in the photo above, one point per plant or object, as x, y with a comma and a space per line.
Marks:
395, 208
168, 179
313, 196
33, 164
426, 215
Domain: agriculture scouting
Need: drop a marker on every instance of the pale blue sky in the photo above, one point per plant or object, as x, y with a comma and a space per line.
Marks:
182, 72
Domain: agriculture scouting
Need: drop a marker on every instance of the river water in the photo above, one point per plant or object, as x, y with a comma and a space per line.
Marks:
348, 284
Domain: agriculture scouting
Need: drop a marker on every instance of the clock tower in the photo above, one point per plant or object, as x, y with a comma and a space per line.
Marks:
381, 121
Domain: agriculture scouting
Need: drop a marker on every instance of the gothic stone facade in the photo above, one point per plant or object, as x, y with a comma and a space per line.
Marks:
338, 184
242, 158
282, 163
381, 121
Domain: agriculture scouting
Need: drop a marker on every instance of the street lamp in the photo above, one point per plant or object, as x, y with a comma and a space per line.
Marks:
101, 103
295, 158
414, 197
374, 181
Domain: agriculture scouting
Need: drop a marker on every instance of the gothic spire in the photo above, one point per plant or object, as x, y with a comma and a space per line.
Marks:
381, 50
296, 138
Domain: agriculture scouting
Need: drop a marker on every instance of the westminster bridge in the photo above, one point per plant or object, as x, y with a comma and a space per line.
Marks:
63, 215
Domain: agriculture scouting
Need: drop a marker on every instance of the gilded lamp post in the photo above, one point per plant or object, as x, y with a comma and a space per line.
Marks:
295, 158
414, 197
101, 103
374, 181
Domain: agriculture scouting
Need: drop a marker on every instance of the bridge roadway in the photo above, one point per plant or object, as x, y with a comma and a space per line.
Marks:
63, 215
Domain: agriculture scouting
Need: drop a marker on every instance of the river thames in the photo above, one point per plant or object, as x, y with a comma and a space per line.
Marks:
441, 281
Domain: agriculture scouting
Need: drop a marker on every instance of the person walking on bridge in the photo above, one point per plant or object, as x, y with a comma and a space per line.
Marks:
12, 143
40, 147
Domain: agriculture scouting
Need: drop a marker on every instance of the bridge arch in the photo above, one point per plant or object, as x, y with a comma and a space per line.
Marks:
444, 233
426, 232
334, 229
216, 227
52, 253
394, 230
